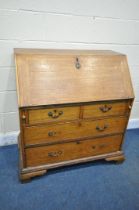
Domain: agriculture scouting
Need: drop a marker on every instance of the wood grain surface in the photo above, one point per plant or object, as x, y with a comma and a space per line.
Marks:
74, 106
99, 109
53, 114
73, 130
73, 150
44, 78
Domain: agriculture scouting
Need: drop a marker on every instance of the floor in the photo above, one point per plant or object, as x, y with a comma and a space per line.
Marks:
93, 186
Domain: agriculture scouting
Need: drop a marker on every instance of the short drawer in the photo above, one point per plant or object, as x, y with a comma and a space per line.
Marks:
74, 150
65, 131
36, 116
106, 109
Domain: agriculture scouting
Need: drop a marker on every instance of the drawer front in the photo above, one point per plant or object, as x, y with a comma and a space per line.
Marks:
106, 109
53, 114
73, 150
65, 131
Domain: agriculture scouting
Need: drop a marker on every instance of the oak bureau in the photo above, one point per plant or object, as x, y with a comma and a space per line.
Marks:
74, 107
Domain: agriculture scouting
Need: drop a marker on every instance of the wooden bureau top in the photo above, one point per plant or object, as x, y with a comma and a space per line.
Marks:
49, 77
64, 51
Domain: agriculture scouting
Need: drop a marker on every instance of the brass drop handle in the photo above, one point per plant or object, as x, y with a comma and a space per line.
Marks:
51, 133
105, 108
77, 63
55, 114
101, 128
54, 154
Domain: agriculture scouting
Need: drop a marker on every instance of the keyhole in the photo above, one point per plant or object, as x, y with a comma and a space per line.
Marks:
77, 63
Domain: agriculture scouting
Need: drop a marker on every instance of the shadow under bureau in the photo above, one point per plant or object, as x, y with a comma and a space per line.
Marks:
74, 107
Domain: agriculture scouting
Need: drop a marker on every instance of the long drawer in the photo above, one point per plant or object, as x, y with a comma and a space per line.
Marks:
79, 129
73, 150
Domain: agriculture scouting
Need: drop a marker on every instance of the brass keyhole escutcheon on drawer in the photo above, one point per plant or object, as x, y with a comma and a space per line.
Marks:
78, 142
101, 128
54, 154
55, 114
51, 133
105, 108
